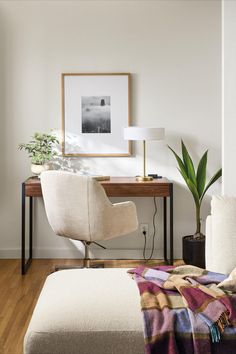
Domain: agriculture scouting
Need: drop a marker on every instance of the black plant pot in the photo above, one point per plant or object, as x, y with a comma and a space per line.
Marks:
194, 251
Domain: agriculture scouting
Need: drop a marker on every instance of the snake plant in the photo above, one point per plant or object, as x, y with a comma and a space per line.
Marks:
195, 180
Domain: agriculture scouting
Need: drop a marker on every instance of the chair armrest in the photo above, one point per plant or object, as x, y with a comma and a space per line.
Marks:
121, 219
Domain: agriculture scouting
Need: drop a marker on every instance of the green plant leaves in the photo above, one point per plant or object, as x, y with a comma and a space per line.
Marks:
216, 176
180, 162
40, 148
194, 191
188, 164
191, 187
187, 171
201, 174
195, 181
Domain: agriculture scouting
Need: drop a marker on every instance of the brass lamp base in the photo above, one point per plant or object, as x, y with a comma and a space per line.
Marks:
144, 178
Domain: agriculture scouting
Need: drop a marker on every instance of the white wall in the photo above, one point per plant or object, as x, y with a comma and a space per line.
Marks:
229, 91
172, 49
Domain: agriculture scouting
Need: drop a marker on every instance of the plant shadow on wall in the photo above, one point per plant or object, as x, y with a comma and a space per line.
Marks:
194, 245
71, 164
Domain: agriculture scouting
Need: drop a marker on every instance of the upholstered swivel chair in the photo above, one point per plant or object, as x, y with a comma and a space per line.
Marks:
77, 207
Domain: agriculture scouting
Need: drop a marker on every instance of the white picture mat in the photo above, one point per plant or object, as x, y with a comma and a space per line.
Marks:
77, 86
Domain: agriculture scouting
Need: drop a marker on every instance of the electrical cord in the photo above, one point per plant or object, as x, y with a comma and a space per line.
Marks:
153, 235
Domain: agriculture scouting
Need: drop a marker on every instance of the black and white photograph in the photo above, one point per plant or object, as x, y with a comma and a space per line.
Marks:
95, 110
96, 114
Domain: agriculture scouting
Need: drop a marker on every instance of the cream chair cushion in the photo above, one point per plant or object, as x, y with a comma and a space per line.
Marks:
221, 235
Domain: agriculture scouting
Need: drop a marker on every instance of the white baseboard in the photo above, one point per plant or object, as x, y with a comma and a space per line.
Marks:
15, 253
10, 253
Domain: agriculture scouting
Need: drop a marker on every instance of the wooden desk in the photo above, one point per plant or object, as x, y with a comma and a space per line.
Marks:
115, 187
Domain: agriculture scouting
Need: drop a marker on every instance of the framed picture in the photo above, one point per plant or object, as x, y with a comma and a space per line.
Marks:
95, 111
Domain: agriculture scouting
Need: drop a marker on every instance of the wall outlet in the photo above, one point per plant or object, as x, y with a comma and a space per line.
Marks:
143, 228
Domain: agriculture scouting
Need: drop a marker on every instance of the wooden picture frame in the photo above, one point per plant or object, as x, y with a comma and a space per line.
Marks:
95, 111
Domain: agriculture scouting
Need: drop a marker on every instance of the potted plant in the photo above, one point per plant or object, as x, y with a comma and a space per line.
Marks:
194, 245
40, 150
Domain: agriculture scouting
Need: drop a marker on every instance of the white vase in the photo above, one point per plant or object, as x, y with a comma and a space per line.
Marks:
38, 169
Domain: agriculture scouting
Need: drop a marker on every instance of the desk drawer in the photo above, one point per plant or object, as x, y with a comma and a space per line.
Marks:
137, 190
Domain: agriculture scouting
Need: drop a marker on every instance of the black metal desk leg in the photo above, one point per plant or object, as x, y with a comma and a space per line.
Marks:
31, 228
26, 264
171, 226
23, 230
165, 229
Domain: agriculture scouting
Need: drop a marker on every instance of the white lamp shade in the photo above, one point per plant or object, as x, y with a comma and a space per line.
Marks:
143, 133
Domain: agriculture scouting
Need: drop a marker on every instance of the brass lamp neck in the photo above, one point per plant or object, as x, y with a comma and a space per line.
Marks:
144, 177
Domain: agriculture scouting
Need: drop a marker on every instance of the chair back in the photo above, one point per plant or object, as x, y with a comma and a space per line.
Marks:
74, 205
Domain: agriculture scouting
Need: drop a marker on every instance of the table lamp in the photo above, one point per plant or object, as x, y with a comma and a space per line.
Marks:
143, 133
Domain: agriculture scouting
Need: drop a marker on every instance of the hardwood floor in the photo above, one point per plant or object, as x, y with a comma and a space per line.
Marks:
19, 294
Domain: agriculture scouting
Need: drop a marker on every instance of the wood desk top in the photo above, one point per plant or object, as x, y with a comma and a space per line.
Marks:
115, 187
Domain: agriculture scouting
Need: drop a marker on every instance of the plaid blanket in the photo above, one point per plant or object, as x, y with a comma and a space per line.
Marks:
187, 310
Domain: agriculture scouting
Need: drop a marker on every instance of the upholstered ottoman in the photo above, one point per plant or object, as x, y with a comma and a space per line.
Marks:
86, 311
